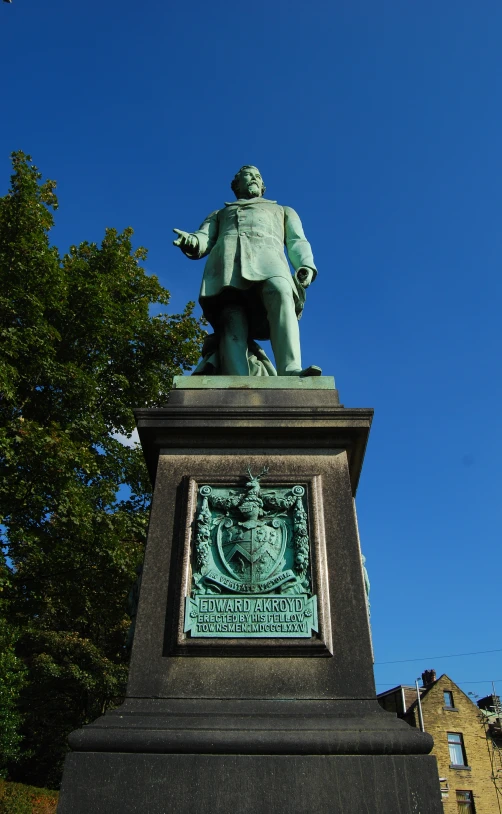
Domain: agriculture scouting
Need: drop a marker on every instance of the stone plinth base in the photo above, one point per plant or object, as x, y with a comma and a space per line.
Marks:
249, 784
269, 725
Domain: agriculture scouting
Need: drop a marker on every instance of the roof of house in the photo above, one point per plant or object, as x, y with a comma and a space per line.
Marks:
424, 691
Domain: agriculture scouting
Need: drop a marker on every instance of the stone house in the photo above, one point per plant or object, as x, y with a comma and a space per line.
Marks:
467, 740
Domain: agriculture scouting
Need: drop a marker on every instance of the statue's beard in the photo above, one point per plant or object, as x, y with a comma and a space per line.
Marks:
253, 189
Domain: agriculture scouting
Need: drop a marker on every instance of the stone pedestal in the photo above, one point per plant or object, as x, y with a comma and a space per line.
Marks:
251, 722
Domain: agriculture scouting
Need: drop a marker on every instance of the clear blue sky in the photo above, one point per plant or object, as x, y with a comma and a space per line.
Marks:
380, 122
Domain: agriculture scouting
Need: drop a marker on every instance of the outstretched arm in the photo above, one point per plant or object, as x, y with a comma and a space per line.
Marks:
187, 242
198, 244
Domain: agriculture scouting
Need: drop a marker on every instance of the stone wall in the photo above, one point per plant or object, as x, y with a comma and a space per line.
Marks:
465, 718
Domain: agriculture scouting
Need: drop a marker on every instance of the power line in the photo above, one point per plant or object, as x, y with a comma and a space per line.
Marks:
430, 658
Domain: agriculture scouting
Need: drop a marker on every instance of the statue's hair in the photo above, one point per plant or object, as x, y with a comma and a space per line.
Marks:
235, 183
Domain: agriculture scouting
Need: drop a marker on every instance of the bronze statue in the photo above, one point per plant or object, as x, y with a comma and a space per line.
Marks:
248, 291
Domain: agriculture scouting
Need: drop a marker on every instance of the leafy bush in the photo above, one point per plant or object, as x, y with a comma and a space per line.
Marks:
16, 798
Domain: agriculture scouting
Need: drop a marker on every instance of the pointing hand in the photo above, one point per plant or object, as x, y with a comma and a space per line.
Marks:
185, 240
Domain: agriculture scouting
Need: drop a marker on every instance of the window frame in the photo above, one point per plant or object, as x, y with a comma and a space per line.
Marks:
457, 743
447, 704
469, 800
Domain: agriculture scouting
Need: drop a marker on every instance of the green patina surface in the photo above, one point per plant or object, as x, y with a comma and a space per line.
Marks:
248, 292
266, 616
254, 382
251, 563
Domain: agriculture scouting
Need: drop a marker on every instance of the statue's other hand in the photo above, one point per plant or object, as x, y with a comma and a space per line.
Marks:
185, 240
304, 276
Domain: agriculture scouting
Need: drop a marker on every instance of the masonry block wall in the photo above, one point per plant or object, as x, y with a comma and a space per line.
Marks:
465, 719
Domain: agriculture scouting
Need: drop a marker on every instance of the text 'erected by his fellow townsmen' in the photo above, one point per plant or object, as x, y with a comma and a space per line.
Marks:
258, 616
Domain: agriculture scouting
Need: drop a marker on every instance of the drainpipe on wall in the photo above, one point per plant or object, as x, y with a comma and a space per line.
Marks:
420, 715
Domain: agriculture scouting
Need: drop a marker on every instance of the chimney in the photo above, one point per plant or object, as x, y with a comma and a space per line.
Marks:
428, 678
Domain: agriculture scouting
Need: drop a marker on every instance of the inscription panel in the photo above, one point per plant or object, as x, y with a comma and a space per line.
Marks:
251, 571
261, 616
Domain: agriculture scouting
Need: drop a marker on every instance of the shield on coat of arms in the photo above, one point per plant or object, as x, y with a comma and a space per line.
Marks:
252, 550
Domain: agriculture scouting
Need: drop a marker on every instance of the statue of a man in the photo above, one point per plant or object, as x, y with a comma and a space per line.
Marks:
248, 291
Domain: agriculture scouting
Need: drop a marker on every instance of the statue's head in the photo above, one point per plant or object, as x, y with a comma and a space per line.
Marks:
248, 183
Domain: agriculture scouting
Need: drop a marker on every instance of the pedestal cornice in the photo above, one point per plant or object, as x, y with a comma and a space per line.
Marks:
280, 419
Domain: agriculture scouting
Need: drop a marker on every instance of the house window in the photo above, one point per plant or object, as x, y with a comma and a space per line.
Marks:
465, 802
456, 747
448, 699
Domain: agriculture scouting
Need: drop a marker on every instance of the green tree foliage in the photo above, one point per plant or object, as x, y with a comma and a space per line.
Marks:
12, 675
79, 349
12, 679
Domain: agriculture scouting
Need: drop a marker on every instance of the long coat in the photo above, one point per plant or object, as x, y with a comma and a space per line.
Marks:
245, 243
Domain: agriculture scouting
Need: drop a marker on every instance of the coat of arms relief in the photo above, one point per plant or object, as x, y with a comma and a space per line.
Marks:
251, 542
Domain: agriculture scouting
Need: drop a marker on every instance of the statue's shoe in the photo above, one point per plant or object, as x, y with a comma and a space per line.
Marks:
313, 370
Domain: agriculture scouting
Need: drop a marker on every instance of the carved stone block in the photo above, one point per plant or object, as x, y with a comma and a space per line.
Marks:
252, 649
